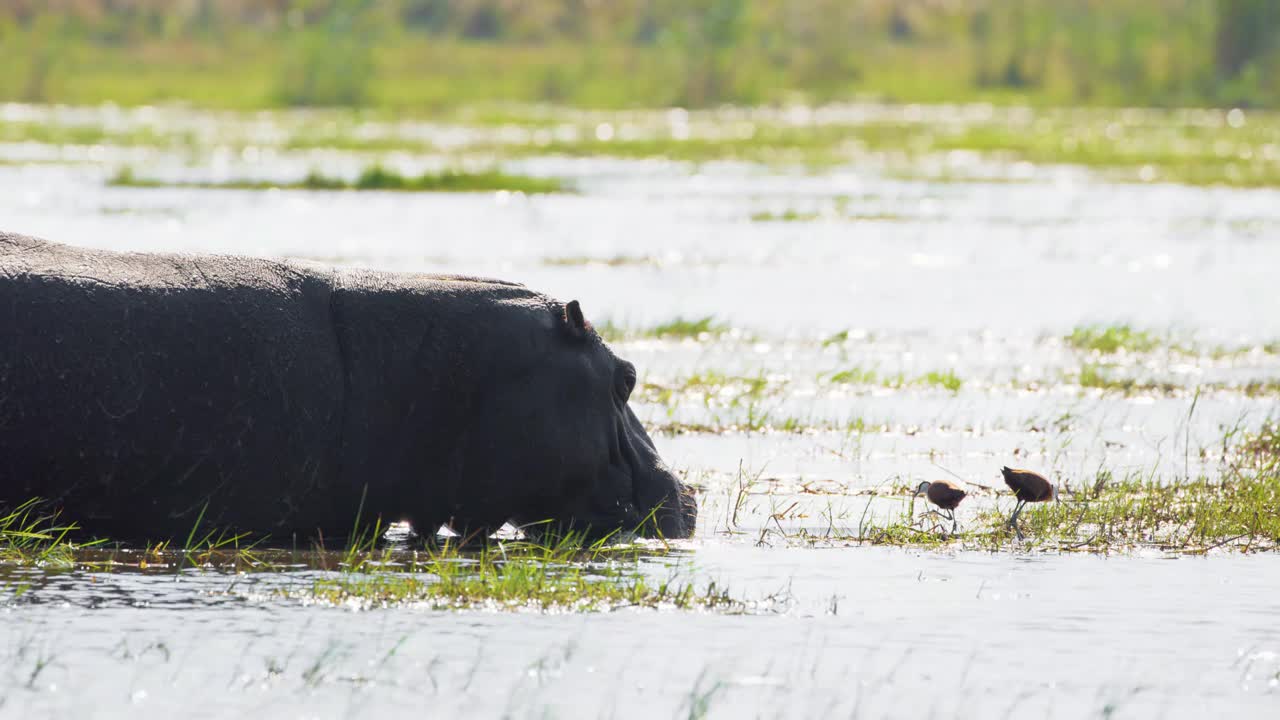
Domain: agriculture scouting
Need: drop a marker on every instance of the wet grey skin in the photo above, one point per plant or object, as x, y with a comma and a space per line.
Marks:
1028, 487
143, 393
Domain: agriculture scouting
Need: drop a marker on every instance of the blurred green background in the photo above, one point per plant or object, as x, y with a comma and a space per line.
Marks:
431, 54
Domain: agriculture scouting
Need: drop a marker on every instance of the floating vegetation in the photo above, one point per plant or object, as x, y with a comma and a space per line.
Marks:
854, 376
717, 390
568, 573
615, 261
837, 339
1110, 339
54, 133
1113, 339
688, 328
863, 376
837, 214
1201, 147
1238, 511
788, 215
31, 534
945, 379
1096, 377
517, 575
766, 423
711, 384
372, 178
679, 328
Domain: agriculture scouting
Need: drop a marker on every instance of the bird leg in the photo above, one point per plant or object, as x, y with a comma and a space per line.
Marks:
952, 513
1013, 519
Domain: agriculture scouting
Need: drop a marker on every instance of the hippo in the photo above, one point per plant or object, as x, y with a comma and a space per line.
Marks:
143, 394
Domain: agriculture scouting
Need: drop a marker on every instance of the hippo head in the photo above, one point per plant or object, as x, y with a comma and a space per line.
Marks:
573, 451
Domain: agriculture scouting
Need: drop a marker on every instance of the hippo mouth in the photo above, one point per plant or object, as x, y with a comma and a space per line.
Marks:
662, 506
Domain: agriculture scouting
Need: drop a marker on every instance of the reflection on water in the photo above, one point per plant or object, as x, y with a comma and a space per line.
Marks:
978, 278
882, 632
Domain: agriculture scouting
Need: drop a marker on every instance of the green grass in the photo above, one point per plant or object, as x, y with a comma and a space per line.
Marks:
854, 376
764, 423
566, 574
700, 328
1111, 339
1190, 516
372, 178
30, 534
613, 262
54, 133
946, 379
1237, 511
678, 328
710, 388
1160, 51
1185, 146
837, 213
837, 339
788, 215
1093, 376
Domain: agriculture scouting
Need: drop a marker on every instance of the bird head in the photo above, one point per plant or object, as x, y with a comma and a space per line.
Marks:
922, 487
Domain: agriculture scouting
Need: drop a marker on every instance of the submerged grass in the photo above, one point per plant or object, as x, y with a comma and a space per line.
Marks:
1111, 339
567, 574
613, 262
561, 573
372, 178
1238, 511
788, 215
1123, 338
946, 379
1200, 147
32, 535
679, 328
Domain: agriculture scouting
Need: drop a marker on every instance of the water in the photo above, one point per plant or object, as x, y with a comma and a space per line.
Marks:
981, 278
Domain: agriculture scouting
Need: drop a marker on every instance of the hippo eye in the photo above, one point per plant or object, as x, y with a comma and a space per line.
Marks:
625, 382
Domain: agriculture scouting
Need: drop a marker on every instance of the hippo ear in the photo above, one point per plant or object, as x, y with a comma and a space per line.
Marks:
576, 324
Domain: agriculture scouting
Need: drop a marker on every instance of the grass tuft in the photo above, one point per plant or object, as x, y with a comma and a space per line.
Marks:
788, 215
374, 177
1111, 339
1238, 511
679, 328
691, 328
30, 534
565, 574
945, 379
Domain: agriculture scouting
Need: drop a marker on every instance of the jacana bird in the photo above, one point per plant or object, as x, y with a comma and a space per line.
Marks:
1028, 487
943, 493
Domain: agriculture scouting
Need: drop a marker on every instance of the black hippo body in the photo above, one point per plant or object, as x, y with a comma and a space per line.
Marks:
140, 392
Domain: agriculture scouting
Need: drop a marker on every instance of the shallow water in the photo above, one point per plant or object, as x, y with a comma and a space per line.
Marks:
980, 278
858, 633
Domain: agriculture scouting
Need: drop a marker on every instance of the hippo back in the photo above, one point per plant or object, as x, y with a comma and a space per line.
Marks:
144, 390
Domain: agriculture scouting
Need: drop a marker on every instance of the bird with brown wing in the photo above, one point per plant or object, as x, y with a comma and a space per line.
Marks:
1028, 487
945, 494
